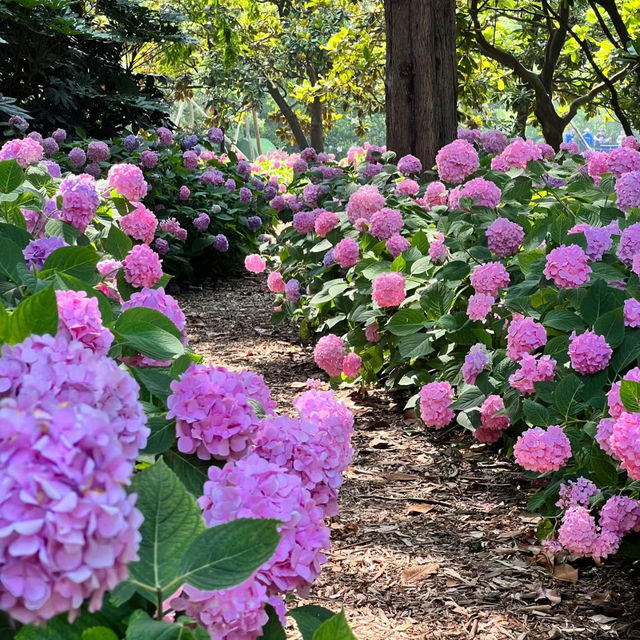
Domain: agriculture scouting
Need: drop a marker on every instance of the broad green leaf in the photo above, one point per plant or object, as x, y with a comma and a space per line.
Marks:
527, 259
37, 314
454, 270
309, 618
536, 414
11, 176
162, 436
566, 398
10, 257
117, 243
599, 299
99, 633
406, 322
611, 327
59, 628
273, 629
79, 262
628, 352
17, 235
155, 380
192, 471
470, 399
563, 320
630, 395
142, 627
336, 628
437, 300
414, 346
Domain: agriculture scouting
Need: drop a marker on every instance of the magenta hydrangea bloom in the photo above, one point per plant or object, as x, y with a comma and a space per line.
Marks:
479, 306
237, 613
603, 435
631, 313
490, 278
347, 252
372, 332
396, 244
623, 160
493, 142
625, 443
351, 365
140, 224
628, 190
493, 422
98, 151
475, 363
311, 193
629, 244
567, 266
254, 263
325, 222
578, 532
214, 417
388, 289
435, 194
329, 354
438, 252
576, 493
80, 319
255, 488
364, 202
620, 515
542, 451
407, 187
481, 192
598, 242
518, 153
128, 180
504, 237
37, 251
275, 282
190, 160
524, 336
79, 201
385, 223
532, 369
409, 164
435, 400
597, 165
24, 151
304, 221
172, 227
142, 266
589, 352
456, 161
184, 193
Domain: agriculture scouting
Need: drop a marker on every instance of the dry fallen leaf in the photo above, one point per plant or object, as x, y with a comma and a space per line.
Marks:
552, 595
417, 509
415, 573
566, 573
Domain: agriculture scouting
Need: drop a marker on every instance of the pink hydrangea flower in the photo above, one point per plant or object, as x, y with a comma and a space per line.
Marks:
329, 354
625, 442
79, 201
24, 151
475, 363
172, 227
364, 202
79, 317
571, 147
347, 252
481, 192
493, 142
304, 221
492, 424
388, 289
567, 266
578, 532
254, 263
542, 451
435, 194
438, 252
142, 266
533, 369
190, 160
292, 290
255, 488
214, 417
620, 515
524, 336
409, 164
603, 435
184, 193
597, 165
623, 160
128, 180
518, 153
576, 493
275, 282
407, 187
629, 244
589, 352
490, 278
325, 222
140, 224
632, 313
630, 142
456, 161
479, 306
351, 365
396, 244
598, 242
504, 237
628, 190
98, 151
372, 332
385, 223
435, 401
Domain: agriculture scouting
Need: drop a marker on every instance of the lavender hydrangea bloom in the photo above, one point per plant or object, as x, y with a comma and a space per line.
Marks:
215, 135
37, 251
221, 243
201, 223
18, 123
254, 222
230, 185
189, 142
245, 195
131, 143
77, 157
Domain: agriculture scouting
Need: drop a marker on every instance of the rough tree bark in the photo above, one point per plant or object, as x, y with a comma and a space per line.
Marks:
289, 115
420, 85
317, 126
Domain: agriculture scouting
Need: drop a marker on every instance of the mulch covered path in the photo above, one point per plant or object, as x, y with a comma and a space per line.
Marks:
433, 540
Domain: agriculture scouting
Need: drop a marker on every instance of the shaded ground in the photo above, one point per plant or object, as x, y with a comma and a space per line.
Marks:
432, 541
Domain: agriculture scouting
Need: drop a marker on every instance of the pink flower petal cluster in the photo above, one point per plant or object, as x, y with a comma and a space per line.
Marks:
325, 222
598, 165
493, 142
542, 450
438, 251
37, 251
631, 313
628, 190
79, 317
142, 266
623, 160
409, 164
255, 488
518, 153
576, 493
629, 244
578, 532
140, 224
347, 252
98, 151
172, 227
435, 400
351, 365
128, 180
329, 354
201, 221
372, 332
364, 202
435, 194
456, 161
254, 263
396, 244
533, 369
479, 306
304, 221
214, 417
504, 237
567, 266
589, 352
490, 278
492, 424
385, 223
24, 151
407, 187
475, 362
625, 443
603, 435
481, 192
190, 160
524, 335
620, 515
275, 282
388, 289
79, 201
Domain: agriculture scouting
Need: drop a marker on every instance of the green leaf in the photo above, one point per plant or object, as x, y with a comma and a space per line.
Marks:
162, 436
611, 327
192, 471
406, 322
602, 468
567, 394
142, 627
172, 520
630, 395
79, 262
17, 235
155, 380
309, 618
454, 270
336, 628
37, 314
11, 176
470, 399
563, 320
437, 300
226, 555
535, 414
273, 629
628, 352
150, 333
527, 259
59, 628
99, 633
414, 346
10, 259
117, 243
599, 299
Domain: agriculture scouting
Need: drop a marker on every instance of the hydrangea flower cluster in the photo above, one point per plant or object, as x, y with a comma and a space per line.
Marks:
79, 201
292, 290
409, 164
275, 282
407, 187
576, 493
490, 278
438, 251
435, 400
347, 252
481, 192
364, 202
479, 306
24, 151
325, 222
475, 363
524, 336
128, 180
567, 266
616, 408
372, 332
329, 354
435, 194
504, 237
385, 223
625, 443
533, 369
304, 221
388, 289
351, 365
142, 266
456, 161
396, 244
221, 243
140, 224
493, 421
254, 263
629, 244
589, 352
517, 153
628, 190
172, 227
98, 151
37, 251
493, 142
623, 160
542, 450
202, 221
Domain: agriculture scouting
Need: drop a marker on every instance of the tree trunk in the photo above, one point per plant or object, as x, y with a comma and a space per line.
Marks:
420, 85
317, 132
289, 115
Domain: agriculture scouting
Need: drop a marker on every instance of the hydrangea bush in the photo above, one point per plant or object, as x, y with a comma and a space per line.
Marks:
129, 468
502, 294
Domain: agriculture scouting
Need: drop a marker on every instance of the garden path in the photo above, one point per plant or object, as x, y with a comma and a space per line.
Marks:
432, 541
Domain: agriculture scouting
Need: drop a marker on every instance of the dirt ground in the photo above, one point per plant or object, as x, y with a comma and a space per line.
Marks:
433, 540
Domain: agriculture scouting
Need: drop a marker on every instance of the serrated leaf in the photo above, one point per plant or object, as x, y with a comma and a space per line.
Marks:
37, 314
309, 618
630, 395
470, 399
143, 627
566, 398
192, 471
406, 322
11, 176
336, 628
563, 320
536, 414
79, 262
